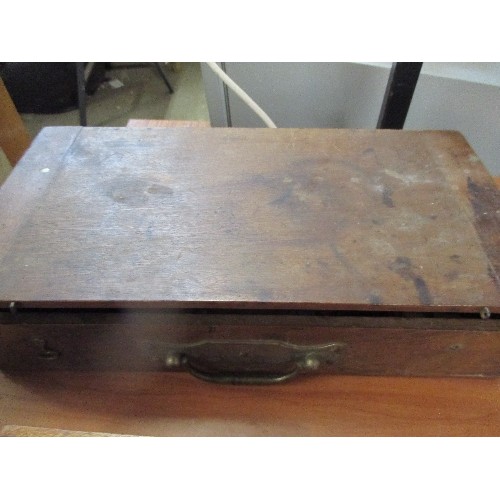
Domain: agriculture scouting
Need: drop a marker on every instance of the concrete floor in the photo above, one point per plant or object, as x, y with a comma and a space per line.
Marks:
143, 95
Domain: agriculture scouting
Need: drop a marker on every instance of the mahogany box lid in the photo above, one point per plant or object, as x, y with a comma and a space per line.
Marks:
250, 218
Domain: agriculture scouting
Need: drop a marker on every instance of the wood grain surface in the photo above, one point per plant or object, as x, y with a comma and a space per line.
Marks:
14, 137
27, 431
271, 345
251, 218
167, 123
165, 404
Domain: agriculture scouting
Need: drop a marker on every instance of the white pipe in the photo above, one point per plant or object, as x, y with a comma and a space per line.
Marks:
241, 94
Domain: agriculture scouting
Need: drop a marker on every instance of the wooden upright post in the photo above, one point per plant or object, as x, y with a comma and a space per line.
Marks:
14, 138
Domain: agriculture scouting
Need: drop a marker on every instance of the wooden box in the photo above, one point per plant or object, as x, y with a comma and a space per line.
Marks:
250, 255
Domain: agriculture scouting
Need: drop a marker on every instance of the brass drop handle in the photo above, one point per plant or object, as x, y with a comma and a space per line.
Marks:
240, 378
246, 363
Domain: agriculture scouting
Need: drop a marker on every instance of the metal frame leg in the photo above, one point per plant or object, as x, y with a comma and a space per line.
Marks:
82, 97
398, 95
164, 77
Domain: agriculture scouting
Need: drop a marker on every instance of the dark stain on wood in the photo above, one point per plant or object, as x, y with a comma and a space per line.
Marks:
485, 201
404, 267
159, 189
480, 198
375, 299
387, 197
423, 290
493, 275
452, 275
135, 192
285, 198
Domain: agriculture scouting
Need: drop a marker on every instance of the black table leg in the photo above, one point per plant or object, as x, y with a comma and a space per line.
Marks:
398, 95
164, 77
82, 98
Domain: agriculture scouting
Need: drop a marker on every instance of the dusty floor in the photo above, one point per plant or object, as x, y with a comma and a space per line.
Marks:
143, 95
